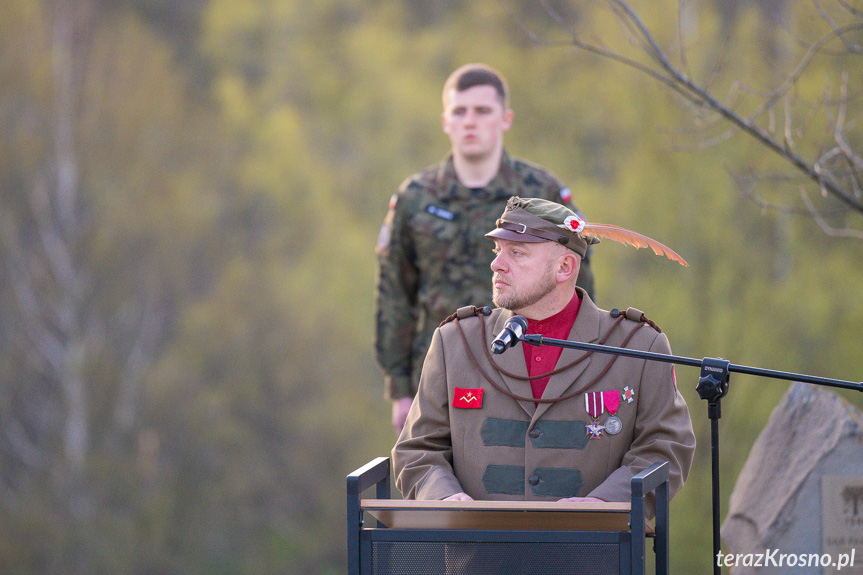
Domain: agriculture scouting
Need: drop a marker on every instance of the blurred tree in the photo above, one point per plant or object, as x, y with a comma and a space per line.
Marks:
94, 173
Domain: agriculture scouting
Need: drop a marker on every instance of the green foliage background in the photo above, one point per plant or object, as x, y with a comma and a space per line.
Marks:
235, 162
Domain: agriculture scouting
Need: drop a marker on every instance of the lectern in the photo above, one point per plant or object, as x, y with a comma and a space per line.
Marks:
502, 537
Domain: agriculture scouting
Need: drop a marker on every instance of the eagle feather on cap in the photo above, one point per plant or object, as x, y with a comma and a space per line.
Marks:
630, 238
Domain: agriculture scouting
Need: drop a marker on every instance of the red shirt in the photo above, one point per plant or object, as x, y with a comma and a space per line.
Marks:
542, 359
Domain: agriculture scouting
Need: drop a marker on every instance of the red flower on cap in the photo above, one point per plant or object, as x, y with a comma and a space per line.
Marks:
573, 224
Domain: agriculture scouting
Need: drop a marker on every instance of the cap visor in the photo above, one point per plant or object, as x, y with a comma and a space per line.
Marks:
502, 234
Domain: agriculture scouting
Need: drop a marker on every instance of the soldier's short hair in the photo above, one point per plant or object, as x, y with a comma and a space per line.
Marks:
471, 75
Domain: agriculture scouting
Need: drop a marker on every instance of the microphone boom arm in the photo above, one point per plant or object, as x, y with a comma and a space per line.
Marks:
539, 340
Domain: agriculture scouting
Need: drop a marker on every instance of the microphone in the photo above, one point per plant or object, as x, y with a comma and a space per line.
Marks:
512, 332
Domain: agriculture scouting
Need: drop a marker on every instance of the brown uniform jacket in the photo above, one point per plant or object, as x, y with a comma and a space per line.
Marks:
514, 450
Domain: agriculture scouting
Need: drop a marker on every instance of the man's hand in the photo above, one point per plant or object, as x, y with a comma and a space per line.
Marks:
462, 496
401, 406
581, 500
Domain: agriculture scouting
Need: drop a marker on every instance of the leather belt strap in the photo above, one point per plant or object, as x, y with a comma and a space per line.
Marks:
523, 229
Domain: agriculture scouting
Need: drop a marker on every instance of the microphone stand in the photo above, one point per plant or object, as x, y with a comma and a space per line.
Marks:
712, 386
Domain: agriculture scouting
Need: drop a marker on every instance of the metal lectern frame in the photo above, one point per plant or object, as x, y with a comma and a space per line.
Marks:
630, 544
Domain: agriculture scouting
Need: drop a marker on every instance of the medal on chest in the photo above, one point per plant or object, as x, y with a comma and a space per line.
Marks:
594, 430
596, 403
613, 425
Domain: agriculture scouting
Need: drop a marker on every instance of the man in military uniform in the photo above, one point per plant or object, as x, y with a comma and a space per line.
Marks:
541, 422
431, 252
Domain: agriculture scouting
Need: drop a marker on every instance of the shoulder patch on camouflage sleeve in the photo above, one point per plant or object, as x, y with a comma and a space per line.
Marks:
385, 234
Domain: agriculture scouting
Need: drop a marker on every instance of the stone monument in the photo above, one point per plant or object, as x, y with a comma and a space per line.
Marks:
797, 506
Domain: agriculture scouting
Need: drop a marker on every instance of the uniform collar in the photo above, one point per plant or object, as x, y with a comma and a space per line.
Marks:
448, 186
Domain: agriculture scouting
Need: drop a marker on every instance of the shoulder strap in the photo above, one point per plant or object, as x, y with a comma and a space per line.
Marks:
466, 312
635, 315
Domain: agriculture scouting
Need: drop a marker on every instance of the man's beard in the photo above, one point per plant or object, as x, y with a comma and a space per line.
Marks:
518, 301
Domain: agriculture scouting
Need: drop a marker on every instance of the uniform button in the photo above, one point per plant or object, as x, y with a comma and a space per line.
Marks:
534, 433
538, 358
534, 480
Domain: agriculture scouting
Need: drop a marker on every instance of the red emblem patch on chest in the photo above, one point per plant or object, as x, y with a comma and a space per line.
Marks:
467, 398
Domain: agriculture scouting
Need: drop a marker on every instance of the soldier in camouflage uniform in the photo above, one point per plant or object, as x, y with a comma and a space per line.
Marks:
432, 254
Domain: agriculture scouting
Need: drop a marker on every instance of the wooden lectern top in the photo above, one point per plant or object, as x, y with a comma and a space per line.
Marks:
509, 515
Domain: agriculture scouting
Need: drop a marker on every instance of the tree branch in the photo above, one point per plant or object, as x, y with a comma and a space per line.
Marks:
746, 124
675, 79
825, 227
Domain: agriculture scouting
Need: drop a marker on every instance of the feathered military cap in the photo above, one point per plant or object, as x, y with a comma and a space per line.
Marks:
537, 220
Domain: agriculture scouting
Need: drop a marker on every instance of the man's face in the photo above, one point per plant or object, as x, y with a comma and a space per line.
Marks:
524, 273
475, 120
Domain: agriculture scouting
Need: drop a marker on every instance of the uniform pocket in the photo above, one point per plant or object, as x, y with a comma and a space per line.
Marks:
504, 479
438, 225
437, 246
503, 432
559, 435
556, 482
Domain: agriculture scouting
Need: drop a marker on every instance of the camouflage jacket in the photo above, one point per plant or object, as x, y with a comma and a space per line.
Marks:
433, 257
